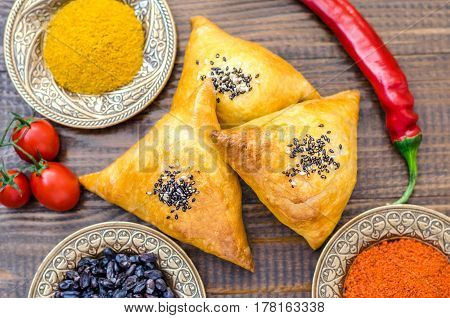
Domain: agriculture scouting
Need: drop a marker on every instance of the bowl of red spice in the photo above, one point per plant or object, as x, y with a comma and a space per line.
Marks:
397, 251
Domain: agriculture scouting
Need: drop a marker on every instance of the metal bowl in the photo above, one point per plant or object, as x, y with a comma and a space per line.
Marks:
23, 46
369, 228
122, 237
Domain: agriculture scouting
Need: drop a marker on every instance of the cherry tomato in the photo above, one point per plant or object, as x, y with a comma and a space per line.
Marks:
14, 189
38, 138
55, 186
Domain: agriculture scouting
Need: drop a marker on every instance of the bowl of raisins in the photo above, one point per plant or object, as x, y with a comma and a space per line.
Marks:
117, 260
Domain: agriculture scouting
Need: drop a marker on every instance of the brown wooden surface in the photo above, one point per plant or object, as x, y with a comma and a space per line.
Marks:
284, 262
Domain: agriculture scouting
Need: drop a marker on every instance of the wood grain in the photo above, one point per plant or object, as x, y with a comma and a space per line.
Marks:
417, 32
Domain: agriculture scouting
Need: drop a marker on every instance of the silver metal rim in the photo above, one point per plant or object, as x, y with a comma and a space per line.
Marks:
73, 122
106, 225
349, 224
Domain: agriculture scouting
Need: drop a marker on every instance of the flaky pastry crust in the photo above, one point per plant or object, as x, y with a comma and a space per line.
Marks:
259, 151
181, 139
275, 83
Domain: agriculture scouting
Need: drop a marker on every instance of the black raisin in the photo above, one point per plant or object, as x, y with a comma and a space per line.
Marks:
148, 257
70, 294
109, 253
168, 294
153, 274
115, 275
150, 286
160, 284
66, 284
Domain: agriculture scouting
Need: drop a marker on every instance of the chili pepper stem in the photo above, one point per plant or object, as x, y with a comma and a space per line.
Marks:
408, 149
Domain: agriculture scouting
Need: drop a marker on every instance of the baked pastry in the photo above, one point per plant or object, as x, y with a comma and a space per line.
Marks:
300, 161
175, 179
250, 81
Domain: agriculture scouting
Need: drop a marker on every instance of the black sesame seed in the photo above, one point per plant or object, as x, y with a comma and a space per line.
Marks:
232, 83
175, 190
313, 157
197, 62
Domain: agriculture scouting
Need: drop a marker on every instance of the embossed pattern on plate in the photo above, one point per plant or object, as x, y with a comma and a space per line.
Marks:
122, 237
23, 42
369, 228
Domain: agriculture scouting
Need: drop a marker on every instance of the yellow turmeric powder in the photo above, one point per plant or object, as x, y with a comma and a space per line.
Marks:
94, 46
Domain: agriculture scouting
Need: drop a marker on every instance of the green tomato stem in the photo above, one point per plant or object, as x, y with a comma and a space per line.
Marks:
23, 122
4, 174
12, 143
5, 132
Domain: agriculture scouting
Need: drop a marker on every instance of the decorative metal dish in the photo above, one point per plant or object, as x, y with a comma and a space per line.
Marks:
23, 42
121, 237
369, 228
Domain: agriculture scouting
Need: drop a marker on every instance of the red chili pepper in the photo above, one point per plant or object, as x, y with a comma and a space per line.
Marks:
373, 58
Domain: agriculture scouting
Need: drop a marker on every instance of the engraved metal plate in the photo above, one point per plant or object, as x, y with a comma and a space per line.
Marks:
23, 42
122, 237
369, 228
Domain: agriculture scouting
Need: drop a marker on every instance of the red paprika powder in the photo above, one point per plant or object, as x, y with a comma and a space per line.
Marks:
399, 269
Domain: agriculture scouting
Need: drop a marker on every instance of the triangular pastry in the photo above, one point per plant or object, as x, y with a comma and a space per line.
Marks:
250, 81
175, 179
300, 161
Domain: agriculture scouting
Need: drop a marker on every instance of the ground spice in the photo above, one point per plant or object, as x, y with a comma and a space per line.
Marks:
94, 46
399, 269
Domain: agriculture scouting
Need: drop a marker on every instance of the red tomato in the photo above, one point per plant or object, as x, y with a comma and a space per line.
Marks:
39, 139
14, 189
55, 187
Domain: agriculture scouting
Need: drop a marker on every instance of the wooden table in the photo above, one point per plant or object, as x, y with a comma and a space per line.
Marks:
417, 32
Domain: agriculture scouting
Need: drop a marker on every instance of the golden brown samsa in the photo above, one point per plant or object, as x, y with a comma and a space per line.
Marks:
175, 179
300, 161
250, 81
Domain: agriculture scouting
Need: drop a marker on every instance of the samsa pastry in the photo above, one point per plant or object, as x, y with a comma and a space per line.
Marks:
249, 80
300, 161
175, 179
